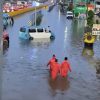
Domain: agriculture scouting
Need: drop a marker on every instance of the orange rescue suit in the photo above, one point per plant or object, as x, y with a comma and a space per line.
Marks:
51, 62
55, 70
65, 67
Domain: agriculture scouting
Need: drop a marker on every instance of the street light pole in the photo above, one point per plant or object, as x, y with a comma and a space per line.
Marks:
1, 27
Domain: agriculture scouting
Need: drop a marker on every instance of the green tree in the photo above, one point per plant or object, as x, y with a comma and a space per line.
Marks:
91, 14
89, 22
76, 14
90, 18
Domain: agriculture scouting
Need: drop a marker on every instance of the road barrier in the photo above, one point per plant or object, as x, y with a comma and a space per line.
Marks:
21, 11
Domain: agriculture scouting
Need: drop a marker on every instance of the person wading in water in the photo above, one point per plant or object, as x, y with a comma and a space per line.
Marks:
65, 67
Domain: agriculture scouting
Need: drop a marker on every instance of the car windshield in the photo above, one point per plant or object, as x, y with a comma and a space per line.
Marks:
39, 30
32, 30
69, 14
98, 3
22, 29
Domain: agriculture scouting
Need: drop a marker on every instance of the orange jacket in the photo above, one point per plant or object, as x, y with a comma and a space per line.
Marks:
55, 70
51, 62
56, 67
65, 67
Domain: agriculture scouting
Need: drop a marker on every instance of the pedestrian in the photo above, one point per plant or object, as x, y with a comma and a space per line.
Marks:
4, 27
8, 20
6, 36
65, 67
5, 24
51, 62
55, 69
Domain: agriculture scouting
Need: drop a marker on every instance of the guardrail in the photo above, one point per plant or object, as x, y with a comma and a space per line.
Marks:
21, 11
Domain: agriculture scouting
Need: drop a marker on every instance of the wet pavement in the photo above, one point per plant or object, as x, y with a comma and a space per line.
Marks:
25, 75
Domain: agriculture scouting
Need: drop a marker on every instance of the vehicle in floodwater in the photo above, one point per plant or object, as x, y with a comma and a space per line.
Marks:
32, 32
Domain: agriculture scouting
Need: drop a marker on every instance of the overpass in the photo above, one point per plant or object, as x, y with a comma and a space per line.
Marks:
21, 11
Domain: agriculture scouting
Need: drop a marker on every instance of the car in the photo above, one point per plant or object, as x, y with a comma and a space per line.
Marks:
69, 15
98, 14
32, 32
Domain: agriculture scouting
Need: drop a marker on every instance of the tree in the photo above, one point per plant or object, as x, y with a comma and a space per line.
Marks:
90, 14
89, 22
76, 14
90, 18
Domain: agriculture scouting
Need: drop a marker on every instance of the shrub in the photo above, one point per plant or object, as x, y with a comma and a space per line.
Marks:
90, 14
90, 18
76, 14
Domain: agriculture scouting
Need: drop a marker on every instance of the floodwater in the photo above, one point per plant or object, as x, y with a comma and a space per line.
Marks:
25, 75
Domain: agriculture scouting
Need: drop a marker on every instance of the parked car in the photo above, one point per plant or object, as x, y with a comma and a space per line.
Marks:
98, 14
69, 15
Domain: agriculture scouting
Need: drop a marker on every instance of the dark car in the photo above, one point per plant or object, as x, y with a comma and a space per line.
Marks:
98, 14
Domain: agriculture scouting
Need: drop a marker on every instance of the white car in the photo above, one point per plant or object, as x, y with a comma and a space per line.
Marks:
31, 32
69, 15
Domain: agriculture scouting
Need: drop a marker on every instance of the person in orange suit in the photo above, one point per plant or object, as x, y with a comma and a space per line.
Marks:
65, 67
51, 62
55, 69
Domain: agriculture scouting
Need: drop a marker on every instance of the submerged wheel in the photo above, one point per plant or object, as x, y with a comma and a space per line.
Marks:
52, 37
31, 38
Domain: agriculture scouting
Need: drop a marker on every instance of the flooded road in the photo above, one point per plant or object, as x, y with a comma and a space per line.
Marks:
25, 75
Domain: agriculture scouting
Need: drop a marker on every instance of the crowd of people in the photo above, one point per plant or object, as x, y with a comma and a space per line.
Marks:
58, 69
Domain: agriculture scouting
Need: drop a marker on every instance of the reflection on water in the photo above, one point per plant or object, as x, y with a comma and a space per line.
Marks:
5, 47
36, 42
5, 50
87, 52
77, 26
60, 84
97, 67
40, 42
98, 38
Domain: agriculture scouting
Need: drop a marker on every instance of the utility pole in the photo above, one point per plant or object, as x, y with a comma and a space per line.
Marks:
1, 27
